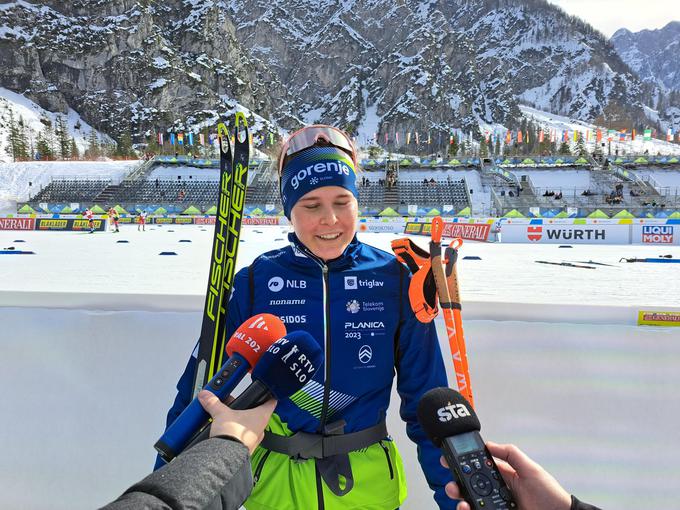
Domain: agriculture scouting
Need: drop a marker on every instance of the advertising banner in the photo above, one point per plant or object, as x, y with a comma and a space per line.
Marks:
272, 220
556, 233
652, 318
17, 223
656, 234
394, 226
205, 220
68, 224
468, 231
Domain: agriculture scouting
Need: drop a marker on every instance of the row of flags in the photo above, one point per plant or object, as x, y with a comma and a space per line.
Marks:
507, 137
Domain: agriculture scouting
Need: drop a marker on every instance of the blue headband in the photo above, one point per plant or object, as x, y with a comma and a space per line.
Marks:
314, 168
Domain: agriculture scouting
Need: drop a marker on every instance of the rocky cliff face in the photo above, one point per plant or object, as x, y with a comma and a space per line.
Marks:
368, 65
652, 54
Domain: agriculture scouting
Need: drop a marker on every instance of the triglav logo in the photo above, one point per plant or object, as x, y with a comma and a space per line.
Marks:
339, 167
275, 283
351, 283
353, 306
451, 411
365, 354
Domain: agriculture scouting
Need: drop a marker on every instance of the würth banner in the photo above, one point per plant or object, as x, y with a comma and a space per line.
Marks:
17, 223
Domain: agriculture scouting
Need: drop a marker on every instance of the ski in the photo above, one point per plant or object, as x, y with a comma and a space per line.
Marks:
565, 264
230, 202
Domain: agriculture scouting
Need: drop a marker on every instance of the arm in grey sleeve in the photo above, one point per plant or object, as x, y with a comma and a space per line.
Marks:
214, 468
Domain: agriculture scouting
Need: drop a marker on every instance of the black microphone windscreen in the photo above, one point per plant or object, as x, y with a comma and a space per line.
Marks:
288, 364
443, 412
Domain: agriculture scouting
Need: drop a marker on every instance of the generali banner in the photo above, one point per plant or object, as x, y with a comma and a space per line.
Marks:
17, 223
467, 231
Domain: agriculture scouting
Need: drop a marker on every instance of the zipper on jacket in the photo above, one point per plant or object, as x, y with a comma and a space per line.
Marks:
327, 343
389, 461
319, 488
260, 465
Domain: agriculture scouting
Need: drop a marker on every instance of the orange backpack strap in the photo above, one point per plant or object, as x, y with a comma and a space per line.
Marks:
422, 292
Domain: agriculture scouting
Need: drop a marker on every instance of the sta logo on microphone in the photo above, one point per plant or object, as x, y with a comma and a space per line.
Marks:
452, 411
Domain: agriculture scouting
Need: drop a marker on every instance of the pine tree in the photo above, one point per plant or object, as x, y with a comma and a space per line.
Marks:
483, 148
43, 145
17, 147
93, 150
564, 149
581, 147
453, 147
73, 149
124, 145
63, 138
497, 147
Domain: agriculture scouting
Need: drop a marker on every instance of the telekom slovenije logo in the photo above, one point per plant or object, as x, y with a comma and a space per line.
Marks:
535, 233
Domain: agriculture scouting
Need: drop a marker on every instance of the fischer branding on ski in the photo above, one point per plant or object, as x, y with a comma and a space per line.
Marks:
230, 203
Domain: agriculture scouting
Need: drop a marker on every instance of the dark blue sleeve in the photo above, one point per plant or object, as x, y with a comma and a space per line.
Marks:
237, 308
420, 367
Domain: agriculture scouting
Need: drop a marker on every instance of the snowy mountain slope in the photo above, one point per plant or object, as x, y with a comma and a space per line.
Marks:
366, 65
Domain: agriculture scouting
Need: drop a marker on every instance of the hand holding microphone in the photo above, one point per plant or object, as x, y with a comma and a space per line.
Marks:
452, 425
245, 347
286, 366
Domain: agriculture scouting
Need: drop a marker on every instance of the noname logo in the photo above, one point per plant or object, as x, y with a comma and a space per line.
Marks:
353, 306
338, 167
657, 234
452, 411
276, 284
353, 283
365, 354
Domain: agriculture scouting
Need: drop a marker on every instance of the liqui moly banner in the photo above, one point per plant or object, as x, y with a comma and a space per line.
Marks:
565, 234
17, 223
656, 234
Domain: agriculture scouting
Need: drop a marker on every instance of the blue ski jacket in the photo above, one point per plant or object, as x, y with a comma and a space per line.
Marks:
357, 308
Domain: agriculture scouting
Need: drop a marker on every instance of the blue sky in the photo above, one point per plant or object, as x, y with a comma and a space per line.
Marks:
635, 15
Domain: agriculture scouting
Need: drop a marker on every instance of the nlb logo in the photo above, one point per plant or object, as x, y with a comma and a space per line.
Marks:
276, 284
365, 354
534, 233
657, 234
338, 167
452, 412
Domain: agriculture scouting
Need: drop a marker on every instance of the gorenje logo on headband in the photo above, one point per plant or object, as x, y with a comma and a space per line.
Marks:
339, 167
452, 411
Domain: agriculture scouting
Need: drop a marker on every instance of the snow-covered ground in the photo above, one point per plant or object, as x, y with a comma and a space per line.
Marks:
94, 334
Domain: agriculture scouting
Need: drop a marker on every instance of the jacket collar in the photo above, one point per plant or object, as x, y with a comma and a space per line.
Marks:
304, 256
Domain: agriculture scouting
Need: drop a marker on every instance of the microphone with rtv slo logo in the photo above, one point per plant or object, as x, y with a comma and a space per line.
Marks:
245, 347
283, 369
452, 425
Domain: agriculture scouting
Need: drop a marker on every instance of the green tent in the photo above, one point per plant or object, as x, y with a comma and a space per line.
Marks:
212, 210
26, 209
454, 161
597, 213
513, 214
120, 209
191, 210
66, 210
405, 162
465, 212
559, 161
370, 162
562, 214
675, 215
98, 210
528, 161
161, 210
640, 160
388, 211
433, 212
581, 161
673, 160
256, 212
623, 214
618, 161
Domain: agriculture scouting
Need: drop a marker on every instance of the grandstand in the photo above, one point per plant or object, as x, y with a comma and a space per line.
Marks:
530, 186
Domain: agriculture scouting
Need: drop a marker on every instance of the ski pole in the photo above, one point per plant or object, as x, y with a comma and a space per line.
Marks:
447, 306
451, 256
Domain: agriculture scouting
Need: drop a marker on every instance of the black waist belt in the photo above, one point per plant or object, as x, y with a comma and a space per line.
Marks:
303, 445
